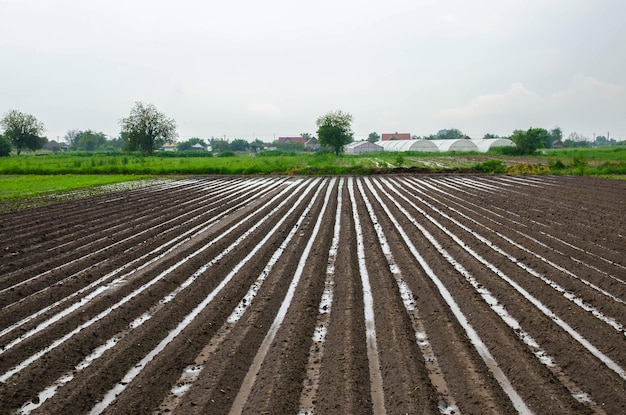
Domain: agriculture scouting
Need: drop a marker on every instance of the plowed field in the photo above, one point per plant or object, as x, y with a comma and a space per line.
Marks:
398, 294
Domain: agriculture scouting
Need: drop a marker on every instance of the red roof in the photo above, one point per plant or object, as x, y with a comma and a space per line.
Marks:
298, 139
396, 136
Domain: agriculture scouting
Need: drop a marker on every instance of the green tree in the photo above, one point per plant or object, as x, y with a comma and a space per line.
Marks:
447, 134
239, 144
489, 135
218, 145
373, 137
257, 145
288, 145
90, 141
556, 134
334, 130
527, 142
187, 145
23, 131
147, 129
577, 140
5, 146
71, 137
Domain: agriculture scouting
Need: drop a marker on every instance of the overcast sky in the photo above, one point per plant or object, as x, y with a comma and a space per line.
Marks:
246, 68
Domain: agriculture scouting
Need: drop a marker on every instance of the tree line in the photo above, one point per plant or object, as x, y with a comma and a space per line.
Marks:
146, 130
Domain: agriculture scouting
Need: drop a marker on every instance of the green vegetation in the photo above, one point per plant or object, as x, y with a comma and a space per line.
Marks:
334, 130
12, 187
27, 175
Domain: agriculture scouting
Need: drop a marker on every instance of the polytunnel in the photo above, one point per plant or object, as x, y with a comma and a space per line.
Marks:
486, 144
409, 145
460, 144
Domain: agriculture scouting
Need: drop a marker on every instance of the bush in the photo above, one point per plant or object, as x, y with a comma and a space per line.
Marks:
5, 146
274, 153
556, 165
491, 166
227, 153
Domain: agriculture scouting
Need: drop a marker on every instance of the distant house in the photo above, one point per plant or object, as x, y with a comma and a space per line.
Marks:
311, 144
298, 139
55, 146
198, 147
395, 136
357, 147
169, 146
557, 144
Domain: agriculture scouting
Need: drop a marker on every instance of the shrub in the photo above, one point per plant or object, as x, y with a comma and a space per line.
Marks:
5, 146
556, 165
491, 166
227, 153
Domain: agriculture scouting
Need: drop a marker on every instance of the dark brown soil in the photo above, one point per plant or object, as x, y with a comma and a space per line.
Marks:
119, 273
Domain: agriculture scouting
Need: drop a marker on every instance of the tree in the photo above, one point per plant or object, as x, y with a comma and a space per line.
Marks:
556, 134
147, 129
447, 134
187, 145
90, 141
257, 145
71, 137
577, 140
527, 142
334, 130
288, 145
489, 135
373, 137
5, 146
218, 145
23, 131
239, 144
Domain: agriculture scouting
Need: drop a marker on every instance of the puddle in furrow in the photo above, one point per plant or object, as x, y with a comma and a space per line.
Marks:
573, 333
535, 348
523, 248
376, 378
111, 395
475, 339
183, 385
447, 404
50, 391
244, 392
310, 386
178, 241
533, 239
567, 294
126, 299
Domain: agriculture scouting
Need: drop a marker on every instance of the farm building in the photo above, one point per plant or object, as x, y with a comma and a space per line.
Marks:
409, 145
459, 144
298, 139
169, 146
395, 136
362, 147
312, 144
198, 147
486, 144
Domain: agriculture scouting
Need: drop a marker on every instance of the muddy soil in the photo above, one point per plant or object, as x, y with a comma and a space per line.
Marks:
408, 293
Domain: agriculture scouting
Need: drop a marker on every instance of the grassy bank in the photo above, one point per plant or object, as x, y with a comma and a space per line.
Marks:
26, 176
